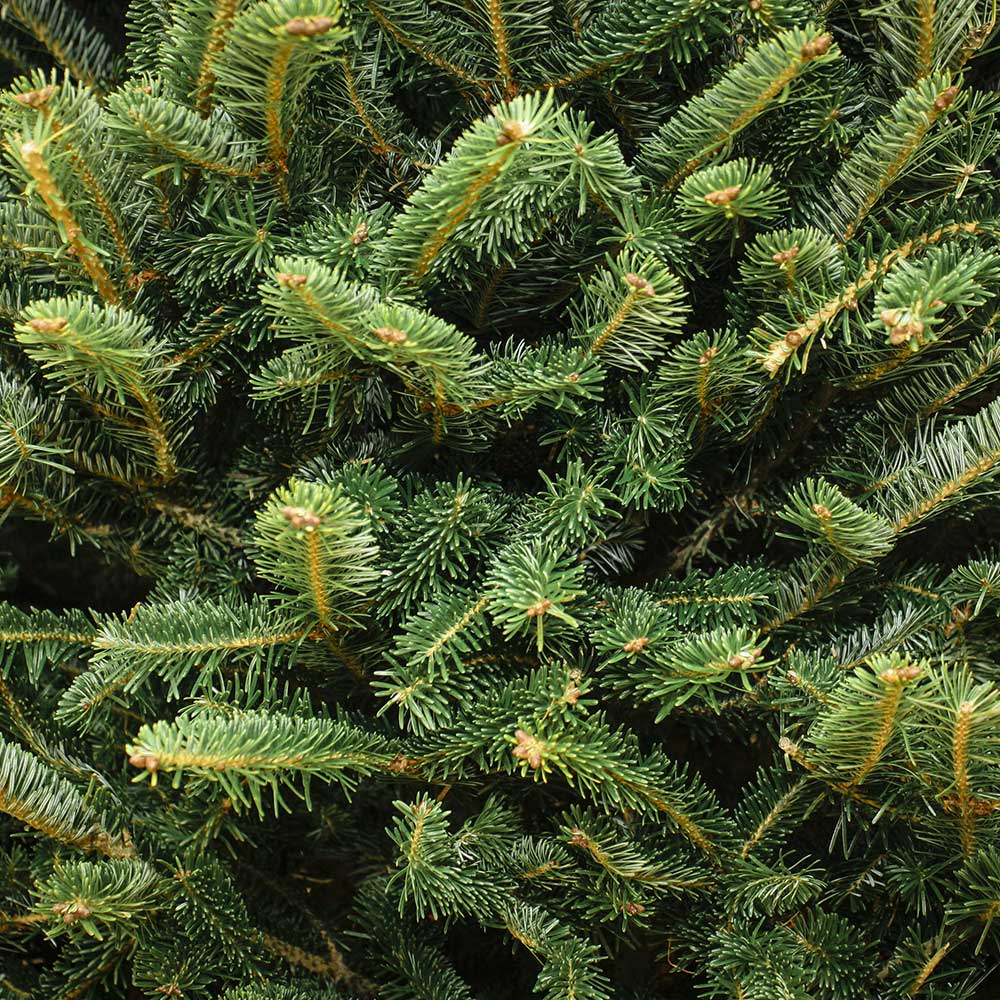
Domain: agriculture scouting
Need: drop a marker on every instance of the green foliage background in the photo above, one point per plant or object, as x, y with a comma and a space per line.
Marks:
497, 498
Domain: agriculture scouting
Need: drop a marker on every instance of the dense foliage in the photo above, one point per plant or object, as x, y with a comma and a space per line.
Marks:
497, 498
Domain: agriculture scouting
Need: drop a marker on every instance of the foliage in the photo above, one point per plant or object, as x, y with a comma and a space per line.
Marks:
498, 498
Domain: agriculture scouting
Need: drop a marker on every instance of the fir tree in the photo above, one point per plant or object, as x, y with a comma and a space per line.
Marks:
498, 499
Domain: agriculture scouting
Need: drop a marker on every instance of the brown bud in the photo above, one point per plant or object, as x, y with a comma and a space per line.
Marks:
306, 27
140, 279
636, 645
511, 131
710, 352
60, 908
291, 280
578, 838
572, 694
899, 675
46, 325
35, 98
817, 47
640, 284
573, 377
400, 764
946, 99
793, 338
962, 613
851, 303
634, 909
823, 513
890, 317
300, 517
783, 257
76, 912
905, 331
360, 234
725, 196
755, 5
145, 761
528, 748
538, 608
390, 335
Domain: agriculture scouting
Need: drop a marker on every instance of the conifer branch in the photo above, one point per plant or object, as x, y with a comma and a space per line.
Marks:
773, 817
414, 46
626, 33
33, 157
223, 15
46, 802
332, 967
501, 44
882, 157
961, 799
40, 101
167, 129
252, 753
710, 122
928, 969
47, 32
456, 215
381, 147
274, 92
80, 343
416, 408
774, 353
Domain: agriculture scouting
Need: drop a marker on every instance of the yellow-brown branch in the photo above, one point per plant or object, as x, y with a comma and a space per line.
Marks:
891, 172
960, 764
725, 135
779, 351
60, 213
58, 52
431, 57
163, 142
455, 217
222, 20
949, 489
925, 37
888, 709
498, 29
274, 91
317, 585
929, 966
623, 312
